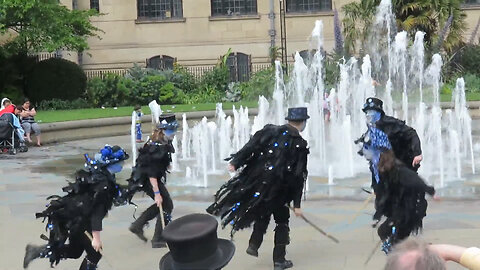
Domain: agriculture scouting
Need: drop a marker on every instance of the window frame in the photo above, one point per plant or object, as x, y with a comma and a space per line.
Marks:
233, 15
95, 4
150, 3
163, 60
298, 11
471, 5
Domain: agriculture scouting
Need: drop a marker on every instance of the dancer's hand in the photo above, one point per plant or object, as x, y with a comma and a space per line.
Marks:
97, 243
158, 199
417, 160
298, 212
231, 168
436, 198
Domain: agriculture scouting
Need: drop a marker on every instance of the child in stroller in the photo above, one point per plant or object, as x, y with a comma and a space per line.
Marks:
11, 134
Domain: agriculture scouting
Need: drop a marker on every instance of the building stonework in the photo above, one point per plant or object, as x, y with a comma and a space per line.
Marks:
198, 38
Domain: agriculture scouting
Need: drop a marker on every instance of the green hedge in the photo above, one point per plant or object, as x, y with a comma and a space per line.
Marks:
55, 78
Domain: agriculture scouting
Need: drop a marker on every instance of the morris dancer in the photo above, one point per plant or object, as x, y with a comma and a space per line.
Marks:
272, 169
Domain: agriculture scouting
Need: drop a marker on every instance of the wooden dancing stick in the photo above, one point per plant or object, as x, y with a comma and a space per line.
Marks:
364, 205
318, 228
161, 216
373, 252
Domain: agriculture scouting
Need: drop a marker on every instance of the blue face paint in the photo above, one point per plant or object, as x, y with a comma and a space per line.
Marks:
170, 133
115, 168
372, 116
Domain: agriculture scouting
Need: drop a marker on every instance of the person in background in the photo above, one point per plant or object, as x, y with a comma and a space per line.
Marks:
27, 117
138, 122
4, 103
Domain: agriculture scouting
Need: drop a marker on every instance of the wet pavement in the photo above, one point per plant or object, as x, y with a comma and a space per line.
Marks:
28, 178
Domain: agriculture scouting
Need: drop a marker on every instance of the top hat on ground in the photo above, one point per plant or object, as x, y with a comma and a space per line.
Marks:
194, 245
297, 114
167, 121
373, 103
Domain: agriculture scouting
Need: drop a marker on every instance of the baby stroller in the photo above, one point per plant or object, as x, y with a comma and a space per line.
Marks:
9, 138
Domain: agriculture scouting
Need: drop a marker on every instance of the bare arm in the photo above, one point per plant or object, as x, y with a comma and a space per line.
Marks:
156, 191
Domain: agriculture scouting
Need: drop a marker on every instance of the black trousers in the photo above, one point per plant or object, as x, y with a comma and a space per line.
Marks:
281, 215
153, 211
78, 243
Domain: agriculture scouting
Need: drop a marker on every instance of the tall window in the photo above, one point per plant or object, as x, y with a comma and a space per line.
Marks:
161, 62
240, 66
159, 9
472, 2
94, 4
233, 7
307, 6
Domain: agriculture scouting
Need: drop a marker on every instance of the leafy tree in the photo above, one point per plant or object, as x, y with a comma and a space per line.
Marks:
44, 25
429, 16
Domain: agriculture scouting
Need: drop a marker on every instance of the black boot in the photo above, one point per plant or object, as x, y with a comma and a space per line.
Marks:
252, 250
282, 265
137, 226
157, 239
87, 265
33, 252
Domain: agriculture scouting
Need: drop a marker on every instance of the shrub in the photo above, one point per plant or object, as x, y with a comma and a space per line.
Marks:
472, 82
467, 59
205, 95
260, 84
147, 89
183, 79
55, 78
13, 93
112, 90
217, 79
169, 94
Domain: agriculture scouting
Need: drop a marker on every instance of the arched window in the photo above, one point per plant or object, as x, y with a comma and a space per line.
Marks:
308, 6
159, 9
161, 62
240, 66
95, 4
233, 7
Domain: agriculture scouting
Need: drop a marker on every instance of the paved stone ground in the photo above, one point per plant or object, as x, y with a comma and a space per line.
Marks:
28, 178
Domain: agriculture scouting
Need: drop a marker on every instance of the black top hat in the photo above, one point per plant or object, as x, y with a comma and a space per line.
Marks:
193, 244
373, 104
297, 114
167, 121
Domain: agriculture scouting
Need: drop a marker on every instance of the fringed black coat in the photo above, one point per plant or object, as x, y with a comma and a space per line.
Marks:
402, 199
272, 169
153, 161
83, 208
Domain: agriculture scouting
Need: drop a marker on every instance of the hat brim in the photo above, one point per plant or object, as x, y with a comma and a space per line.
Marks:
222, 256
297, 119
373, 108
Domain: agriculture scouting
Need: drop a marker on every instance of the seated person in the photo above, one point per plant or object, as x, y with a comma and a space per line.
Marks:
28, 121
5, 102
16, 122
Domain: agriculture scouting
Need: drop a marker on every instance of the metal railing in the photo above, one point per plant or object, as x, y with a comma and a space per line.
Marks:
196, 71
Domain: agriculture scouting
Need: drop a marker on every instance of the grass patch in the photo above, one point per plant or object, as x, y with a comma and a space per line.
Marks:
470, 97
83, 114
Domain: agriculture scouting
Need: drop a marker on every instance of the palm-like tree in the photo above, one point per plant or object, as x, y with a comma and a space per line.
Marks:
429, 16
